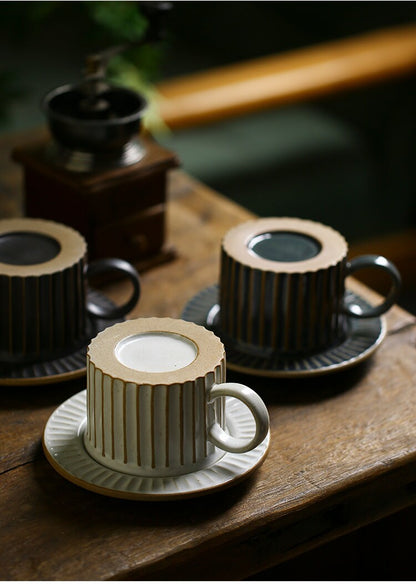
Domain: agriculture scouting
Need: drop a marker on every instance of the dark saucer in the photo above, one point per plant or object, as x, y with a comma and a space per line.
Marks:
70, 366
363, 338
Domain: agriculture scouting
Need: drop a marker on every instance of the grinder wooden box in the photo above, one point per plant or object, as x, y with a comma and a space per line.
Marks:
121, 211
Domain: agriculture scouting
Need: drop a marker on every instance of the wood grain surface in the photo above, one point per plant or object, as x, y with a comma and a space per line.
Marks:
343, 446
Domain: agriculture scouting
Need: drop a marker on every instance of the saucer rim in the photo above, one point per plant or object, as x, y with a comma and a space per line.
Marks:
72, 373
291, 373
260, 452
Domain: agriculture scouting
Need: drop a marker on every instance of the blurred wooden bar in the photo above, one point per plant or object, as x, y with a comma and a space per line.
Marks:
285, 78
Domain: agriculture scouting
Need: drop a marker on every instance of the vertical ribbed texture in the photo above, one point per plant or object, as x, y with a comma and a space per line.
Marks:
151, 430
291, 313
43, 314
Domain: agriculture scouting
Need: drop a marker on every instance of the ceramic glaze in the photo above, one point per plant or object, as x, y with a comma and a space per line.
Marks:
284, 246
42, 293
22, 248
64, 447
44, 308
363, 338
282, 287
156, 392
156, 352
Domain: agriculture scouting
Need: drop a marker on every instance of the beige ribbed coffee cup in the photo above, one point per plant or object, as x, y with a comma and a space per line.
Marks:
156, 399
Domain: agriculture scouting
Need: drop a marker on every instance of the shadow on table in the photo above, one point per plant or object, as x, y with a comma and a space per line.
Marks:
303, 390
77, 505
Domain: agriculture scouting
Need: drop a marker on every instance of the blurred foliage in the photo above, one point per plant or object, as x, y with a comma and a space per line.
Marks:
122, 20
109, 23
9, 91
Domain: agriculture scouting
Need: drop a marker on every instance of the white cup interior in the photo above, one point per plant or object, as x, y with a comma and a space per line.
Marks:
156, 352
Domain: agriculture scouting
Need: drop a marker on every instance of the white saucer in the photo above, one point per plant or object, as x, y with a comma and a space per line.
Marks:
63, 445
363, 337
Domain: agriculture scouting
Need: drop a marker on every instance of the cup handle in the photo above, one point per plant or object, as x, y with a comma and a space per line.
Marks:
382, 263
108, 264
229, 443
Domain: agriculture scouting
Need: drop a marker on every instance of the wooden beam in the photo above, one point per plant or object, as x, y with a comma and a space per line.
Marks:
287, 78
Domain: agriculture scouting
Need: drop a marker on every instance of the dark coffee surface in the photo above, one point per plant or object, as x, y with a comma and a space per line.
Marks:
285, 246
21, 248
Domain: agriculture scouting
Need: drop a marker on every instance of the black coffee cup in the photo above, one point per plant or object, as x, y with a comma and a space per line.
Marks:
44, 310
282, 286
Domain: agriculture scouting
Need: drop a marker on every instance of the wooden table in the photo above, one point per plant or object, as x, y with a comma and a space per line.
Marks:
343, 447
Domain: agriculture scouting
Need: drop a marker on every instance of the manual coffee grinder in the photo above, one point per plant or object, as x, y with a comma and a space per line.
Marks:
96, 173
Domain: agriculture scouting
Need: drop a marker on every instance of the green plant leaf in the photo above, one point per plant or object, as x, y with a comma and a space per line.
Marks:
122, 20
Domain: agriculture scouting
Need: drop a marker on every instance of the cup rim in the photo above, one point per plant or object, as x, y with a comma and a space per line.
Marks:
210, 351
73, 246
333, 245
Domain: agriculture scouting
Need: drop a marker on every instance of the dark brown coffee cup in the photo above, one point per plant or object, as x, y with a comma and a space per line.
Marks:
282, 286
44, 311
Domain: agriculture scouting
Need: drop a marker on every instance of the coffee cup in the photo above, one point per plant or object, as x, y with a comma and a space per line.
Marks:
156, 399
44, 310
282, 286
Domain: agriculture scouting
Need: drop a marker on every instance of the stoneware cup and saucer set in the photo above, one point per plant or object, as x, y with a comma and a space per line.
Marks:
281, 306
158, 420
